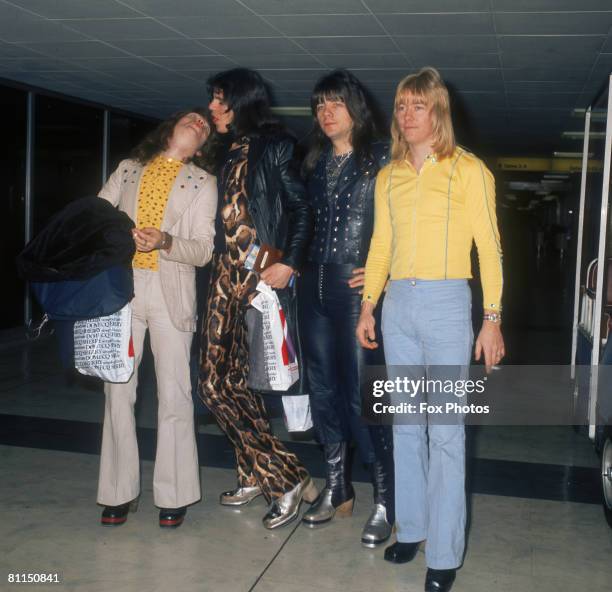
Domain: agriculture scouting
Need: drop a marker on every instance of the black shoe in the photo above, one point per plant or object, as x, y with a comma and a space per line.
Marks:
439, 580
401, 552
171, 517
115, 515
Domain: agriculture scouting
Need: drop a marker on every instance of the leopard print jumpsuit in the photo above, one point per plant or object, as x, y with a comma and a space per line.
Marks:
262, 459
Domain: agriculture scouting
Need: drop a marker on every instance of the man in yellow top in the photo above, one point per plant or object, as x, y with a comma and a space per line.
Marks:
173, 204
432, 201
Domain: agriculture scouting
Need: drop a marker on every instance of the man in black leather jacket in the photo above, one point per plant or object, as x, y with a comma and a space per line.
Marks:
341, 168
261, 202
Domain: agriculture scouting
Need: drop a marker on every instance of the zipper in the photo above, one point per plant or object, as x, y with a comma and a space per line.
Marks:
320, 284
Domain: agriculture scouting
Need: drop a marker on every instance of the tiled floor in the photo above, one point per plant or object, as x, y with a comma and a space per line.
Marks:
50, 524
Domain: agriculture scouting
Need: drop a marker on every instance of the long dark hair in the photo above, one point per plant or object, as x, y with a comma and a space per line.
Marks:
343, 86
156, 141
247, 95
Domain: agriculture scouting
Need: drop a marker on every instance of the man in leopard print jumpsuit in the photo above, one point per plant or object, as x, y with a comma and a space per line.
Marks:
264, 465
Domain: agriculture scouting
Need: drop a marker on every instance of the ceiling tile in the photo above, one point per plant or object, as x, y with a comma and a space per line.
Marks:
296, 87
547, 54
438, 24
114, 64
369, 44
540, 73
364, 60
390, 76
112, 29
77, 49
309, 25
221, 26
473, 80
11, 50
456, 44
96, 80
582, 44
61, 9
262, 45
553, 60
184, 8
164, 86
203, 62
288, 61
548, 5
288, 76
145, 75
576, 23
35, 64
198, 76
163, 47
446, 59
277, 7
427, 6
19, 26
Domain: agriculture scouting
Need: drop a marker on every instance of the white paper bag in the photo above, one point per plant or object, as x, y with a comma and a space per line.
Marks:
297, 413
103, 346
280, 360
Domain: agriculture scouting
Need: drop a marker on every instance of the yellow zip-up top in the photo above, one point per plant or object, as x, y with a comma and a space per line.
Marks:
425, 222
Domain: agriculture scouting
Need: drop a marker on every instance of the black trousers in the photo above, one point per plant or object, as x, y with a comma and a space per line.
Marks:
328, 313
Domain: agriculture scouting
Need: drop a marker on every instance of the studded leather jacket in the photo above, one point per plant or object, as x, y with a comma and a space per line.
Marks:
344, 218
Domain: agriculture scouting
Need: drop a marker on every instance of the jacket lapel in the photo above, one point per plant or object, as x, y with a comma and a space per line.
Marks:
186, 186
131, 180
257, 147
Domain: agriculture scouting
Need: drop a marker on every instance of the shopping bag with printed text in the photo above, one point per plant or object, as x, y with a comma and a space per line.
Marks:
103, 346
280, 360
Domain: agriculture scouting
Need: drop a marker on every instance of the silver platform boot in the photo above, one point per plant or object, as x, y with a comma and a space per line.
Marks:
338, 496
379, 525
239, 496
286, 508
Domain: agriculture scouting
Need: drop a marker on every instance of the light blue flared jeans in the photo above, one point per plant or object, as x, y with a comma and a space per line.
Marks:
427, 324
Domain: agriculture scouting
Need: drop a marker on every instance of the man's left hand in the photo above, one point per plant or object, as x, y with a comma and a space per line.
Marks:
277, 276
490, 342
147, 239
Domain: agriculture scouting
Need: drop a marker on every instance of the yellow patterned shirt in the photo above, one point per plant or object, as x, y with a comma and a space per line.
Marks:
155, 186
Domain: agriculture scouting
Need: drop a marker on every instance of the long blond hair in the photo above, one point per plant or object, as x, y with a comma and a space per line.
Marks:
428, 85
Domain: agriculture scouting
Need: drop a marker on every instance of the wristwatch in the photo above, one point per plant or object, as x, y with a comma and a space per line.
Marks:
494, 317
166, 242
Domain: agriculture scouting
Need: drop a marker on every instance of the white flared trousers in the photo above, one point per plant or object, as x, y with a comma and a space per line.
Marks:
176, 474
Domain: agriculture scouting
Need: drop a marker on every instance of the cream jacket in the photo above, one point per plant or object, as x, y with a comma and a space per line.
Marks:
190, 219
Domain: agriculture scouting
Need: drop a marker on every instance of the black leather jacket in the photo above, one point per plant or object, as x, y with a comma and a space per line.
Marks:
277, 198
282, 217
344, 222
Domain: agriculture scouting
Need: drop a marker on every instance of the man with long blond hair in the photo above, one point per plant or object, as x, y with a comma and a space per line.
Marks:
431, 203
